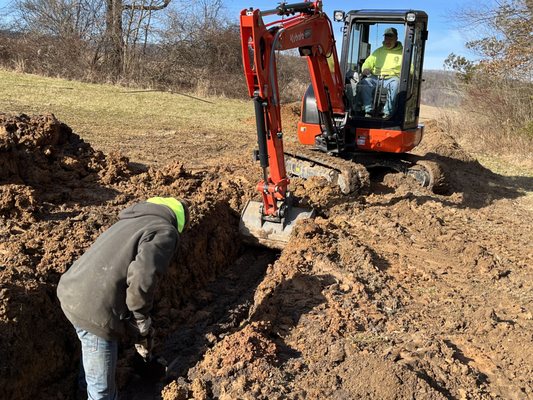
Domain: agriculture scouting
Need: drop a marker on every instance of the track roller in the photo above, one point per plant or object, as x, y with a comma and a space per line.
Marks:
429, 174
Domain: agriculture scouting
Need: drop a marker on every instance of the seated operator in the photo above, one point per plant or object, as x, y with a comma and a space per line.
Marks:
385, 62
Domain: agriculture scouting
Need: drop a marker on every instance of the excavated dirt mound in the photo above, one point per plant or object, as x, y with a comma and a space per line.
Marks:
58, 194
43, 161
397, 293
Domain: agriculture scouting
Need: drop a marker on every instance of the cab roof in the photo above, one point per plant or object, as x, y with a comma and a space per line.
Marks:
385, 15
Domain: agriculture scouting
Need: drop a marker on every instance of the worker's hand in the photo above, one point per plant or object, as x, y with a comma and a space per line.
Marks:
144, 325
139, 327
144, 344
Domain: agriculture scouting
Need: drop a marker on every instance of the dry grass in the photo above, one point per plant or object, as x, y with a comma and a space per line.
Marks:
503, 150
102, 113
494, 122
430, 113
107, 114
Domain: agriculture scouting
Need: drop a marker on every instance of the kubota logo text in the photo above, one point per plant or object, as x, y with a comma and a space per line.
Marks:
296, 37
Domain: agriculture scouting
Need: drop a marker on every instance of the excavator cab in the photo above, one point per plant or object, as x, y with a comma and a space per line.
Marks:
363, 33
371, 123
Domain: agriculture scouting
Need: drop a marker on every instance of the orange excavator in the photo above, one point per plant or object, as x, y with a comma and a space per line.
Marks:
343, 139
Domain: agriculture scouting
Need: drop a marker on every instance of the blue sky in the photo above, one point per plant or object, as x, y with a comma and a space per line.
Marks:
444, 37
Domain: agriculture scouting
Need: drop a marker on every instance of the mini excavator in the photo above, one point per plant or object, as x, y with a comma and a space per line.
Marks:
340, 141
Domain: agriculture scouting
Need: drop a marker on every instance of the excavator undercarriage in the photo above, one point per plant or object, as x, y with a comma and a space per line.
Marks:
352, 172
350, 176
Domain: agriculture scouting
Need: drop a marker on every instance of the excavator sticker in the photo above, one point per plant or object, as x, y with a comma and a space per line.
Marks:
297, 37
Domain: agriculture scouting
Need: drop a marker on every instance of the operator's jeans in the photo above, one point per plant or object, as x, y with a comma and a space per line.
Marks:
367, 87
99, 362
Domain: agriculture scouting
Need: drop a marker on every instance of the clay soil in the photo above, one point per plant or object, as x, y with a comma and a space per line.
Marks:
392, 293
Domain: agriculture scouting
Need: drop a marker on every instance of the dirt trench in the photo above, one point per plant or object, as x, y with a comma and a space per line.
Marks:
56, 196
394, 293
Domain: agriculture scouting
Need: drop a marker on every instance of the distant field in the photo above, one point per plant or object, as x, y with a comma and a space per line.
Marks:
107, 112
112, 117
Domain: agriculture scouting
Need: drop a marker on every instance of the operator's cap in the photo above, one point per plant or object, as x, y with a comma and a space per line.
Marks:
178, 207
390, 32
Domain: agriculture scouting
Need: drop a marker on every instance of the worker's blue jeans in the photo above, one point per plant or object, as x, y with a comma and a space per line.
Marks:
367, 89
99, 363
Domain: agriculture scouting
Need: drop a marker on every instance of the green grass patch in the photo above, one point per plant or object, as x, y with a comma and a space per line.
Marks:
527, 130
95, 110
504, 167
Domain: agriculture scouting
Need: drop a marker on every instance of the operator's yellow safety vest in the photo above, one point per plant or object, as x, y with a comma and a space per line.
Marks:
383, 61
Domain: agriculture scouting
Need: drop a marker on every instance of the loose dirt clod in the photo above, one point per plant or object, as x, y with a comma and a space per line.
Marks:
398, 293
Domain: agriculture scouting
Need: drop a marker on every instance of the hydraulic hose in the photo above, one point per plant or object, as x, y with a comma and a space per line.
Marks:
261, 135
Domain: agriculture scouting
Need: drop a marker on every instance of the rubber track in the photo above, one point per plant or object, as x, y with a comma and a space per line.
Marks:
354, 175
438, 183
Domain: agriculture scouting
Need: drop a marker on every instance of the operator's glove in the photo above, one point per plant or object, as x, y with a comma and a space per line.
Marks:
144, 344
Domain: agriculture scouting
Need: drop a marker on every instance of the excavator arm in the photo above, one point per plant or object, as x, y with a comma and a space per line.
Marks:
307, 28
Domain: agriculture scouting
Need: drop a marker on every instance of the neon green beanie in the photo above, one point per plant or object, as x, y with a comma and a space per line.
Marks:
175, 206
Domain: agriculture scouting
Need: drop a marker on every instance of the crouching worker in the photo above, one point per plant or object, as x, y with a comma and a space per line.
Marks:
107, 294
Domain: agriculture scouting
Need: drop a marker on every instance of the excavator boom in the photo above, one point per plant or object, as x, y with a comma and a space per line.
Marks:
304, 27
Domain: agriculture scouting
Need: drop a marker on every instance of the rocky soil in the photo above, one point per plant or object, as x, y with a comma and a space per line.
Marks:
392, 293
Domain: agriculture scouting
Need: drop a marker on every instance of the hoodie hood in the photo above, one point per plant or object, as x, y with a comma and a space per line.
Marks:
177, 208
145, 208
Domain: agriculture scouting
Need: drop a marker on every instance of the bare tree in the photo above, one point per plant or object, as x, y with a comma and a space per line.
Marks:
137, 31
60, 30
498, 87
61, 18
506, 30
114, 28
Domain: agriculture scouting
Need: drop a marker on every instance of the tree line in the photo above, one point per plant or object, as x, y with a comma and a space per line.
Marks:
163, 44
496, 83
157, 43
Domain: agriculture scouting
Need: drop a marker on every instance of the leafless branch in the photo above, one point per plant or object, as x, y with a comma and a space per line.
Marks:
143, 7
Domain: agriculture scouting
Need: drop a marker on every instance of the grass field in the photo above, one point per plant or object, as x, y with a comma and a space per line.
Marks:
100, 112
108, 114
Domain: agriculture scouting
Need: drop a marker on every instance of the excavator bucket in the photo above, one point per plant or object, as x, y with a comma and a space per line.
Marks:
274, 235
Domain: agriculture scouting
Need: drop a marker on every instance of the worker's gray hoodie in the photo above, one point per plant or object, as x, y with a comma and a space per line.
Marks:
115, 279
